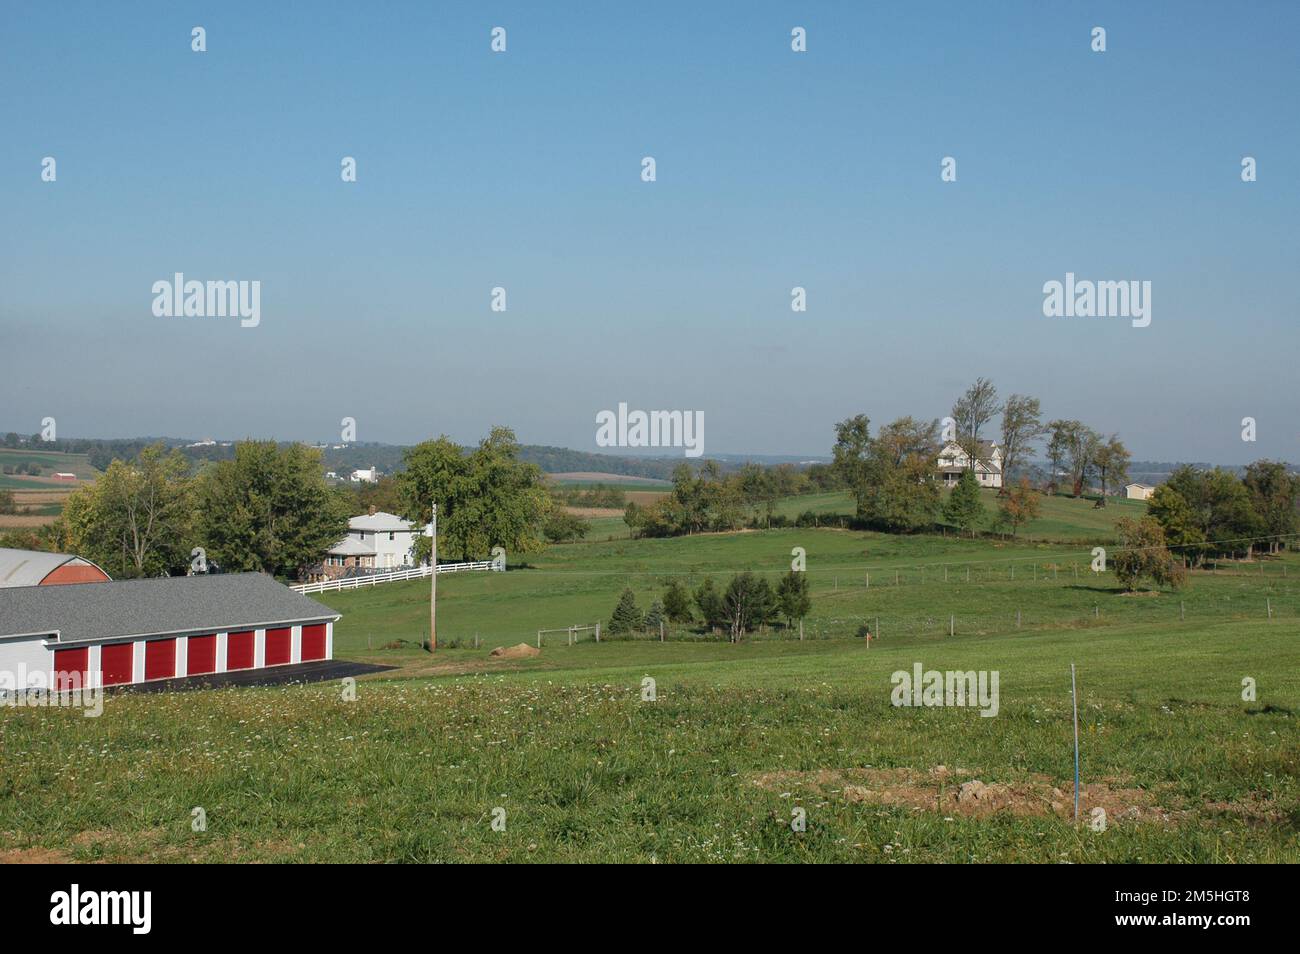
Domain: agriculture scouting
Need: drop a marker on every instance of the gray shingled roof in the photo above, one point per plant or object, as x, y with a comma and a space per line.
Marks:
179, 604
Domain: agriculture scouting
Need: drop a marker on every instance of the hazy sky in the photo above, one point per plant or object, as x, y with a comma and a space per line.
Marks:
523, 170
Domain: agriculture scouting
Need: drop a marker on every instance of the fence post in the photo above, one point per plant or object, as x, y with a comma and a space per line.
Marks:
1182, 611
661, 631
1269, 604
539, 639
1017, 619
597, 630
877, 627
950, 624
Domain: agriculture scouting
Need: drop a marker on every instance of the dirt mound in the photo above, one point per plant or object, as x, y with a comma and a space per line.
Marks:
953, 792
521, 651
34, 856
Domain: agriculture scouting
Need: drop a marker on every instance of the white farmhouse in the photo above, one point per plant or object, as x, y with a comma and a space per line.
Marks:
368, 476
1138, 491
953, 459
375, 541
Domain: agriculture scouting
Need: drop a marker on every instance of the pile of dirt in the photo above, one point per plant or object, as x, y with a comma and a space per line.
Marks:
521, 651
954, 792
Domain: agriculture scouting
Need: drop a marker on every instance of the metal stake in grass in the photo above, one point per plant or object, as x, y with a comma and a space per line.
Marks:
1074, 696
433, 584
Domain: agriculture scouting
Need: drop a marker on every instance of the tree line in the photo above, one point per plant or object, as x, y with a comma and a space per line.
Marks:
269, 508
747, 603
708, 500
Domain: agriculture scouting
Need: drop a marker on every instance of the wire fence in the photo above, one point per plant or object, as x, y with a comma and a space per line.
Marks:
1159, 609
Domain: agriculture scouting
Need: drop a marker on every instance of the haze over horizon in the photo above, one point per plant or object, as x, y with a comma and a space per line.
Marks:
774, 170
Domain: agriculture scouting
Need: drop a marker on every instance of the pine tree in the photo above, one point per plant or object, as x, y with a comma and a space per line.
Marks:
792, 596
963, 508
677, 603
626, 616
709, 602
655, 615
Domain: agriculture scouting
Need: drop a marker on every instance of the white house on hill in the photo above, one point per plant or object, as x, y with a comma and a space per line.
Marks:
375, 541
953, 459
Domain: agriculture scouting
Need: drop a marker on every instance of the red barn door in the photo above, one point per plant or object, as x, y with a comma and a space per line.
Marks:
313, 642
160, 659
239, 650
202, 655
117, 663
279, 644
70, 667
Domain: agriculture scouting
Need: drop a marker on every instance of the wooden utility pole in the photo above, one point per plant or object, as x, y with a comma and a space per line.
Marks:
433, 584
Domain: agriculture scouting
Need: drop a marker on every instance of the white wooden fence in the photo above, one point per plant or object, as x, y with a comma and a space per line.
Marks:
373, 579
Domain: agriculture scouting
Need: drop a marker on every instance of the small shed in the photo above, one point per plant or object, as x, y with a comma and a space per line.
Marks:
1138, 491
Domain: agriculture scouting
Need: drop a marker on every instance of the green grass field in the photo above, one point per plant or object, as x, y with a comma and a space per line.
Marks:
49, 462
737, 737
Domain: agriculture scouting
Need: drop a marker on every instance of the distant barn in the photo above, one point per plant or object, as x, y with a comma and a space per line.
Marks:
38, 568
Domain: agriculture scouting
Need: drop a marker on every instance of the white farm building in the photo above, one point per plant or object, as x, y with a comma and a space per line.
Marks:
375, 541
953, 459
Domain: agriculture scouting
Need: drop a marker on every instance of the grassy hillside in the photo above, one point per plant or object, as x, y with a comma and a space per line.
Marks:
587, 768
1061, 518
711, 770
912, 584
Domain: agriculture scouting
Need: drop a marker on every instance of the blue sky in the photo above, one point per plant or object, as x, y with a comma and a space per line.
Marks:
522, 170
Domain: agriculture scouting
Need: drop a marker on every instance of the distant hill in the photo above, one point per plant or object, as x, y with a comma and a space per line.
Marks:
343, 459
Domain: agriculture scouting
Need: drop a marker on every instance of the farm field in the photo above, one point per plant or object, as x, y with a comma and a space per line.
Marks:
907, 583
49, 462
736, 738
39, 499
1062, 518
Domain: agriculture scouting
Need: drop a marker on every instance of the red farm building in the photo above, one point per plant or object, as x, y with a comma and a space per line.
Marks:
133, 631
37, 568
